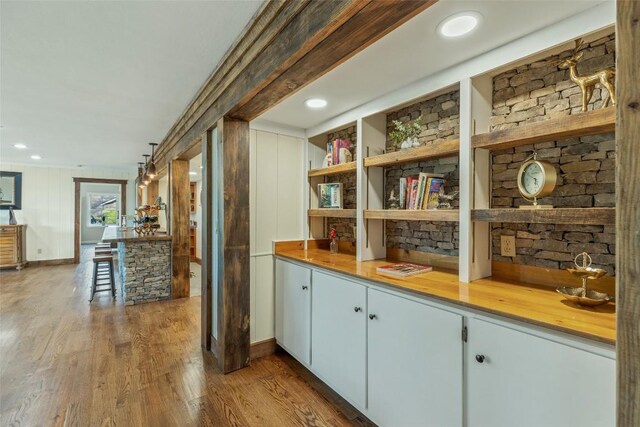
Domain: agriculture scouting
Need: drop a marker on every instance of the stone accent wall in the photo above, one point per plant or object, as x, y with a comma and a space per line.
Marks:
540, 91
345, 226
145, 271
440, 118
585, 166
586, 178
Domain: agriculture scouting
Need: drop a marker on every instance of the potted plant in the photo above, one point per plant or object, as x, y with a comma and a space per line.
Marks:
405, 135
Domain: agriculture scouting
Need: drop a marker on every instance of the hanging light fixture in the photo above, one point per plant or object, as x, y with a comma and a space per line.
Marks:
151, 168
145, 177
140, 177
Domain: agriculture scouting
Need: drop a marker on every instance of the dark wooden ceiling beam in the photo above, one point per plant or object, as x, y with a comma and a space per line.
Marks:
286, 35
370, 24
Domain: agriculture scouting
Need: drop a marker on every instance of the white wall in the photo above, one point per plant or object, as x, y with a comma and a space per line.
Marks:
48, 205
197, 217
277, 179
93, 233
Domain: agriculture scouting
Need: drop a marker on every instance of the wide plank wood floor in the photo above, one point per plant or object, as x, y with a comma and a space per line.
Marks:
66, 362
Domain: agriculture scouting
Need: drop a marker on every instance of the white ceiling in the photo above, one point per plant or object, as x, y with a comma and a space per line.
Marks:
415, 51
93, 82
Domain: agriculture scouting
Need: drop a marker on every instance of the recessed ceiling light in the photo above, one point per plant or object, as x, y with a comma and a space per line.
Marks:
193, 173
36, 157
20, 146
459, 24
315, 103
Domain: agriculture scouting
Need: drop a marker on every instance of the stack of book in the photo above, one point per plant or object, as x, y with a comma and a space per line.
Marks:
420, 192
333, 151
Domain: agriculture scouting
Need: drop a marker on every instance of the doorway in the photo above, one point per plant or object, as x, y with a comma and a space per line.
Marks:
98, 203
195, 224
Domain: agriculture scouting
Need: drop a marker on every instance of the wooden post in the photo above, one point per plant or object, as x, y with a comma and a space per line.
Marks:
233, 269
206, 316
179, 201
152, 192
627, 218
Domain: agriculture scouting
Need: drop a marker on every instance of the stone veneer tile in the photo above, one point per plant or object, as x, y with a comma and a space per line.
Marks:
145, 271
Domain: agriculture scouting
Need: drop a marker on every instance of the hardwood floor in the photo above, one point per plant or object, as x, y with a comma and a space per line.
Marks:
66, 362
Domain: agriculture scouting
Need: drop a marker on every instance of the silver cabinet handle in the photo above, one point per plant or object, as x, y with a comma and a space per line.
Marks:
305, 287
357, 309
373, 316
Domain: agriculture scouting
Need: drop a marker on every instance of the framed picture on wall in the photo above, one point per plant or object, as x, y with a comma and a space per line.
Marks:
330, 196
10, 190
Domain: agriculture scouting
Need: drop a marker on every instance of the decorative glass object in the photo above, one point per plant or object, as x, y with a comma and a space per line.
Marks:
333, 241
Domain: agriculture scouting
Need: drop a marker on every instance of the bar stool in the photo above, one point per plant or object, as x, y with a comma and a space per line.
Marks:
103, 276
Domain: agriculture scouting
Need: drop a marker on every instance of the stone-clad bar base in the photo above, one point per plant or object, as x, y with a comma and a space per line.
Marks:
145, 270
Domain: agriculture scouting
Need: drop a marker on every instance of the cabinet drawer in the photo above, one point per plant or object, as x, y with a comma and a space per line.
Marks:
8, 258
7, 231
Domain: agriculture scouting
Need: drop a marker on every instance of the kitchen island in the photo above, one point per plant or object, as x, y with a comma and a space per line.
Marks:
144, 264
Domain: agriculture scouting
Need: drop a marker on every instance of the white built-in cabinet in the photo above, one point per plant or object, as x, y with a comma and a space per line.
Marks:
403, 360
276, 213
514, 378
339, 335
293, 319
414, 363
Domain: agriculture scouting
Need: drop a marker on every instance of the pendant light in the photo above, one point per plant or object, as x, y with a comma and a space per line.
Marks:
140, 177
151, 169
145, 177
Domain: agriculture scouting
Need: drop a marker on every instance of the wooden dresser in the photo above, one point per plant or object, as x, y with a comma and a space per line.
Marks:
13, 241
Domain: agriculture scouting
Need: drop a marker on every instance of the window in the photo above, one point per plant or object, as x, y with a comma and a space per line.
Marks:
103, 209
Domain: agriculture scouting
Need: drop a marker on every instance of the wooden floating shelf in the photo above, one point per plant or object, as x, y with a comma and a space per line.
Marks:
575, 125
332, 213
333, 170
583, 216
452, 215
432, 151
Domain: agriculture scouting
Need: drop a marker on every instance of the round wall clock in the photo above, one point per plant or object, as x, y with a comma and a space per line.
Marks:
536, 178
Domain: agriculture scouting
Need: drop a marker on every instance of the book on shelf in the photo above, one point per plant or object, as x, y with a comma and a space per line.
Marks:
416, 191
403, 269
330, 195
333, 151
433, 196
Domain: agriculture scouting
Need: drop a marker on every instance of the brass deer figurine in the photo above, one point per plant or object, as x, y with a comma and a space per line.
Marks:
606, 77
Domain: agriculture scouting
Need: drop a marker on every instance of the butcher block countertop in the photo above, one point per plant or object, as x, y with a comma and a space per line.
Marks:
117, 234
534, 304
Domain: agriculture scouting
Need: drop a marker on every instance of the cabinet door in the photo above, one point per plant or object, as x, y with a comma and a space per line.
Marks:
339, 335
415, 363
524, 380
293, 309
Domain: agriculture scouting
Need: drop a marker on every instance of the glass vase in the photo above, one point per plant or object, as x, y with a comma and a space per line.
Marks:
333, 246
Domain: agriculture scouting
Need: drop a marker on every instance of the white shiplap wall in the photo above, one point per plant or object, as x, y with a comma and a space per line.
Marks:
48, 205
277, 178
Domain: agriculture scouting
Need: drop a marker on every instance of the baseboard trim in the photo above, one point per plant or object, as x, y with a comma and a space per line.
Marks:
50, 262
262, 348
